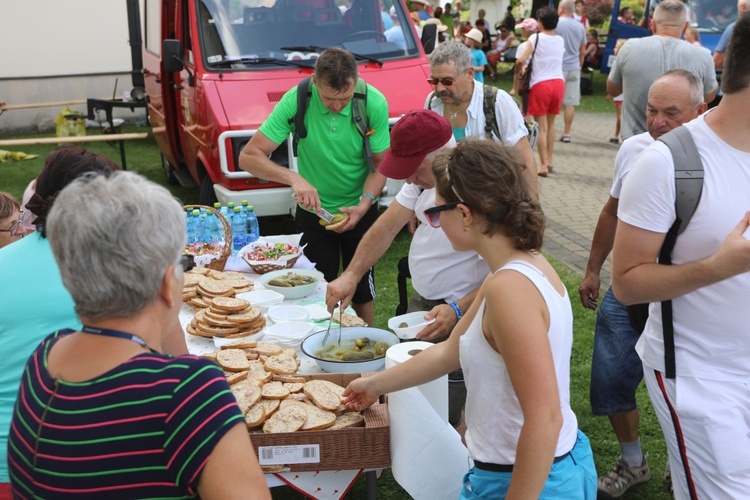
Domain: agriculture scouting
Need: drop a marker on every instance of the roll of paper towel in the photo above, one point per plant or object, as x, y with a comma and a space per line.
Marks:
428, 458
435, 392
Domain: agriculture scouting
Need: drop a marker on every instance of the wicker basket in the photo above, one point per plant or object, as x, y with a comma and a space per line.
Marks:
218, 264
263, 267
273, 266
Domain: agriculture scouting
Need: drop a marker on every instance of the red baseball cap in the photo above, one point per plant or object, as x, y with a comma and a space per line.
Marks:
417, 134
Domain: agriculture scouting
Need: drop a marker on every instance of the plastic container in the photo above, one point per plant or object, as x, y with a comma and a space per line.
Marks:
288, 333
238, 231
279, 314
296, 292
415, 323
262, 299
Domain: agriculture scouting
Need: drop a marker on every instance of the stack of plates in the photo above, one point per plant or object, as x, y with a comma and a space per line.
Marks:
288, 333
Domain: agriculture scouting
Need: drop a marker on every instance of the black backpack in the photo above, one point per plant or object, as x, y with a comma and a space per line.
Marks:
359, 116
688, 175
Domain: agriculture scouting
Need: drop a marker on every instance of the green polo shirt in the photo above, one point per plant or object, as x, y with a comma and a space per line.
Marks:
331, 158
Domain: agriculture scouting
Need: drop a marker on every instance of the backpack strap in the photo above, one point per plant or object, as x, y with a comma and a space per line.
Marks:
298, 120
688, 187
490, 120
360, 119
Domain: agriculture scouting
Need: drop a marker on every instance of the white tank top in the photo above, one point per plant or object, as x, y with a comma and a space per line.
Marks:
493, 413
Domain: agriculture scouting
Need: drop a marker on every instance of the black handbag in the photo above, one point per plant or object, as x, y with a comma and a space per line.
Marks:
525, 81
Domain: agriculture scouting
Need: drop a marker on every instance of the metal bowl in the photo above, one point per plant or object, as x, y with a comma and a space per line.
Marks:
313, 343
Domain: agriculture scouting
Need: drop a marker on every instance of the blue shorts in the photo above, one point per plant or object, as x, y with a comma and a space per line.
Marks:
571, 478
616, 369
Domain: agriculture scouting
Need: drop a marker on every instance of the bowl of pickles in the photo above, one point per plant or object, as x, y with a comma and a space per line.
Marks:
362, 349
292, 283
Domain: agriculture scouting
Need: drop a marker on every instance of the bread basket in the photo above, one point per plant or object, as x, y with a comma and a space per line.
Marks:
217, 264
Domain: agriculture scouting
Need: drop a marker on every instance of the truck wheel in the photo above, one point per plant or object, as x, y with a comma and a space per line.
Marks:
169, 172
207, 196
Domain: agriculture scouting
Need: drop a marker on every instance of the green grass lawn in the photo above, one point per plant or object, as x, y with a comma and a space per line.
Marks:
143, 157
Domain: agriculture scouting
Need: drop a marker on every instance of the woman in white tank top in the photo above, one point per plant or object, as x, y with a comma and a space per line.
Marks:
513, 343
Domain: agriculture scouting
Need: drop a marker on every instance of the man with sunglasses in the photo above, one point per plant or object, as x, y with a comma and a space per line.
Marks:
445, 281
460, 100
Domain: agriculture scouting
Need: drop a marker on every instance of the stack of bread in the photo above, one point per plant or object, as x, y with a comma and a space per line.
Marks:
202, 284
273, 399
226, 317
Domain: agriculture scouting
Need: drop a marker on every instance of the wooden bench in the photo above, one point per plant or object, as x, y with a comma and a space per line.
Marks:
117, 141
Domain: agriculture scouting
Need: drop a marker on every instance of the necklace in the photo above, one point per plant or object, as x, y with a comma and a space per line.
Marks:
460, 110
106, 332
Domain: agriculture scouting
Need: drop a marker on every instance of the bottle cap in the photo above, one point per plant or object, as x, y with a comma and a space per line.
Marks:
236, 209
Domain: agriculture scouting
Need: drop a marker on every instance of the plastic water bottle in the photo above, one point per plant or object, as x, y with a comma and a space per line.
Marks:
197, 235
210, 228
239, 231
253, 227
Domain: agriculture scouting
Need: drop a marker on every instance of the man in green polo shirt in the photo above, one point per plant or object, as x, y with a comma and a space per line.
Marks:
333, 170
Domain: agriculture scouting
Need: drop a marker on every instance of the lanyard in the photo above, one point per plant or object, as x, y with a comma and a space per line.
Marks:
115, 333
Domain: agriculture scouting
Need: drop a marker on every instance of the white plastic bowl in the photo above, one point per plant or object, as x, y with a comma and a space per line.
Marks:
262, 299
296, 292
415, 322
288, 333
313, 344
279, 314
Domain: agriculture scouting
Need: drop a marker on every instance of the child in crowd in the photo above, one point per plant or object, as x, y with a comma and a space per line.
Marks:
479, 60
692, 36
615, 139
591, 50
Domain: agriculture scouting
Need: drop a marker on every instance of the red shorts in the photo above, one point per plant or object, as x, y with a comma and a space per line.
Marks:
545, 98
5, 492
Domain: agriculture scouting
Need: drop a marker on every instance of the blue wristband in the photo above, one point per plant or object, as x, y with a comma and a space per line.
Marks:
456, 310
368, 195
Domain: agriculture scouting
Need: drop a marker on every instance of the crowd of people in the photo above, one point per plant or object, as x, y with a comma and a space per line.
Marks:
100, 397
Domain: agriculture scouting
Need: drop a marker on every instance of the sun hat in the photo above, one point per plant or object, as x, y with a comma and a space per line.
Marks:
529, 23
417, 134
475, 35
440, 26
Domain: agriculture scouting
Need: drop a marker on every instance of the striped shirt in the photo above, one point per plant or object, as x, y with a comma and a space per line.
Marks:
145, 429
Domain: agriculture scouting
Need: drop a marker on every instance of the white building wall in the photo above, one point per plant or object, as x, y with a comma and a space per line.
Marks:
61, 51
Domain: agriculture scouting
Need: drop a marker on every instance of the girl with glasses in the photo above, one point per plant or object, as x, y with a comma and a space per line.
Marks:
513, 344
11, 228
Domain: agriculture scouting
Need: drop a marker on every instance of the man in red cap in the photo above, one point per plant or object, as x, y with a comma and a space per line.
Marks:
445, 281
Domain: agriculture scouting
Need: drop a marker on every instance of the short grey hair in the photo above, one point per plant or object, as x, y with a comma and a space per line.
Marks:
671, 13
695, 84
568, 6
452, 51
448, 145
113, 238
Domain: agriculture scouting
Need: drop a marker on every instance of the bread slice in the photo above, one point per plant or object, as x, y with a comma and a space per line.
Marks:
257, 371
289, 419
274, 390
229, 304
239, 344
294, 387
271, 405
335, 388
347, 319
335, 225
281, 365
255, 415
234, 377
316, 418
246, 396
267, 349
233, 360
323, 397
289, 379
345, 420
245, 315
290, 351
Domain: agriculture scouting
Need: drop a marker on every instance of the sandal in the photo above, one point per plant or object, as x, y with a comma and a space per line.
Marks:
565, 138
622, 477
614, 140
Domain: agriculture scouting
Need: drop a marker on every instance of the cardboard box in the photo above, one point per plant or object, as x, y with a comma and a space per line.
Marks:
367, 447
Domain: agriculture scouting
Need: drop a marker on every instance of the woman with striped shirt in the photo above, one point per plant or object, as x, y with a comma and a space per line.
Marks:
101, 412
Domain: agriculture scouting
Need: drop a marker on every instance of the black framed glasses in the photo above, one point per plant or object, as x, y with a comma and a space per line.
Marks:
187, 262
13, 229
433, 214
446, 82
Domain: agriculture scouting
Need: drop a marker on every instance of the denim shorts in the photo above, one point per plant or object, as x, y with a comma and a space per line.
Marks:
569, 479
616, 369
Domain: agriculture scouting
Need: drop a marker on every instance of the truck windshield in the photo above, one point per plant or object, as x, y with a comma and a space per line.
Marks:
709, 16
256, 34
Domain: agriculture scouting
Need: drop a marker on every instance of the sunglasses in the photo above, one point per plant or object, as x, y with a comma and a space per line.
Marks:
446, 82
433, 214
187, 262
13, 230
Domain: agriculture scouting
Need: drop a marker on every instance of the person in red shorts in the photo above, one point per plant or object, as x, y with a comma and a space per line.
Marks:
547, 82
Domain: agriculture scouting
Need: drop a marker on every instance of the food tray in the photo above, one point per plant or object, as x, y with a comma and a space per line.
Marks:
367, 447
266, 266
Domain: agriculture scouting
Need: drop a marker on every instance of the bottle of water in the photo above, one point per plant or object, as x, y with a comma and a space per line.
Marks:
210, 228
239, 230
253, 228
219, 225
197, 226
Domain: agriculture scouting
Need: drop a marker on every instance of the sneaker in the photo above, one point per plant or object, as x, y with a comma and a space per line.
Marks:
565, 138
614, 140
621, 477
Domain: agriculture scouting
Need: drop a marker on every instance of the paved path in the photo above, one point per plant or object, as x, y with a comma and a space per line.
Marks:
575, 192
